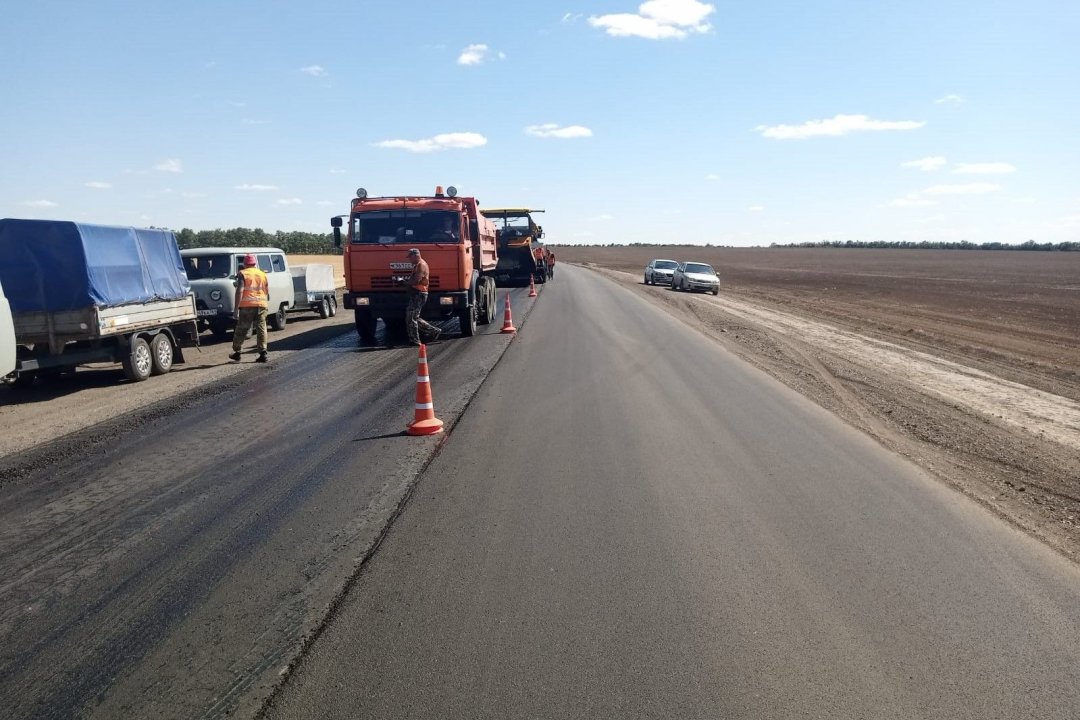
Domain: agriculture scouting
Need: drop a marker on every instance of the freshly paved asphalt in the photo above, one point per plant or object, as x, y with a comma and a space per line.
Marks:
628, 522
169, 564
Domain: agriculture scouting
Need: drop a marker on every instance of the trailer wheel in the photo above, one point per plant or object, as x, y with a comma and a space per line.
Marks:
139, 362
324, 308
161, 352
333, 305
278, 319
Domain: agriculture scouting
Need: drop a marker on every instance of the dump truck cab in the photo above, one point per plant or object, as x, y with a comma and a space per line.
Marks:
517, 231
455, 240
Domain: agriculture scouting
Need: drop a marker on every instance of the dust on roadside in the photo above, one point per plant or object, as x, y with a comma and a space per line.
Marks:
1023, 462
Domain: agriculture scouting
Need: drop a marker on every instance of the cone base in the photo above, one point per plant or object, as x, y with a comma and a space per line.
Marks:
425, 427
508, 329
532, 294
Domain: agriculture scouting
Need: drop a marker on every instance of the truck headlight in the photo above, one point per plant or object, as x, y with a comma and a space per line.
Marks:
363, 301
446, 301
215, 295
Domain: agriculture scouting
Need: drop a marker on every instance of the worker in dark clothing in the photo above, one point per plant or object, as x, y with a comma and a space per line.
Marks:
418, 292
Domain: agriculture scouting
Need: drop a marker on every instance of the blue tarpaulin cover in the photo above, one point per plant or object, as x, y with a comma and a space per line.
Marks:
54, 266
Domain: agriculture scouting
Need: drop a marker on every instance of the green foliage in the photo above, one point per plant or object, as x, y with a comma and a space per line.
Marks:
300, 243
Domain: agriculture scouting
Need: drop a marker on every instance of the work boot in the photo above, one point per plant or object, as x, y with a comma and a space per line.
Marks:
235, 356
262, 358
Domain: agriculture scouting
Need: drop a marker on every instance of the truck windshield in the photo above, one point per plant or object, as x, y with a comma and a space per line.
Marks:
206, 267
512, 225
411, 227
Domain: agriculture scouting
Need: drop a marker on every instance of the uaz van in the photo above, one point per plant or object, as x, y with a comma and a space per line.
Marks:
212, 274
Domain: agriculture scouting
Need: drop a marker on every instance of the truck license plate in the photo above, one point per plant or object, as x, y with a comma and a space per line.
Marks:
204, 313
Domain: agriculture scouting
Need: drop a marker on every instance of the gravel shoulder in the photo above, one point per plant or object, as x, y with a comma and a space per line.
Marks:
998, 426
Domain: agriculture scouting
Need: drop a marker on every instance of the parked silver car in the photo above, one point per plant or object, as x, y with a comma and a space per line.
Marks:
659, 272
696, 276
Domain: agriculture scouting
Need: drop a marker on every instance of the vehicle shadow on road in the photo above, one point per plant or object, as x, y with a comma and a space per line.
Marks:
387, 436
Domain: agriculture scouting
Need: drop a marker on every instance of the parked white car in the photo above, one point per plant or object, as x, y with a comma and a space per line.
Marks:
212, 273
694, 276
659, 272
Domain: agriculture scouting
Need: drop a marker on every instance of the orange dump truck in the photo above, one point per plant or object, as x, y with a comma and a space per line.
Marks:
457, 242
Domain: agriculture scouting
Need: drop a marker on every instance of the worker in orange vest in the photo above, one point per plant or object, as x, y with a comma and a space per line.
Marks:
418, 292
252, 300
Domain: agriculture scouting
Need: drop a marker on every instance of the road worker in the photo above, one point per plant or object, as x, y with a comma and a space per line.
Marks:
418, 292
251, 302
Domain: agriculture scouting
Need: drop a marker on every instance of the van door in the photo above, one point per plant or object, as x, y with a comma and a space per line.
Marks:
7, 336
281, 284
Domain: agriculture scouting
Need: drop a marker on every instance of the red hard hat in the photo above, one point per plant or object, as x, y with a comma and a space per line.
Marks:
250, 261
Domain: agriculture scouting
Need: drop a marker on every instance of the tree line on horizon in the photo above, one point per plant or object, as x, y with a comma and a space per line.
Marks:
296, 242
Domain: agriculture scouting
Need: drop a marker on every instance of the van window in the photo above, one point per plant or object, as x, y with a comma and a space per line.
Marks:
278, 262
264, 263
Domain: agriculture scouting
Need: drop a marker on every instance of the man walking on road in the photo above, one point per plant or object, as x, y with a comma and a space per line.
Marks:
418, 292
251, 301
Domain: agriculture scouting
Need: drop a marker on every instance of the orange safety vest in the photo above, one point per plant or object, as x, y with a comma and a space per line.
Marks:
420, 276
255, 292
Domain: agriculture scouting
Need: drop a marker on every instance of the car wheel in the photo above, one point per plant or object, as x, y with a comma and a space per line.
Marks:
646, 279
278, 319
139, 362
161, 354
716, 291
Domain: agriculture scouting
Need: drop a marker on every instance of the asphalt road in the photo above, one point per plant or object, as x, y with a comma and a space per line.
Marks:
170, 563
628, 522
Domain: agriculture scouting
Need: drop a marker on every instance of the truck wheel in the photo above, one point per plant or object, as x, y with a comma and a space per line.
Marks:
161, 352
365, 326
324, 309
467, 320
333, 306
278, 319
482, 303
139, 362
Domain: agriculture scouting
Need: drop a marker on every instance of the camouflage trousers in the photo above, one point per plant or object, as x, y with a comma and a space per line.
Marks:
245, 318
414, 324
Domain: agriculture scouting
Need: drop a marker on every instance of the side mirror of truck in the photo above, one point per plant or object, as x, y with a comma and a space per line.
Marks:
335, 222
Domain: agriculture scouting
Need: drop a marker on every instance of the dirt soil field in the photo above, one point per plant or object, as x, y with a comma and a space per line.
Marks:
966, 362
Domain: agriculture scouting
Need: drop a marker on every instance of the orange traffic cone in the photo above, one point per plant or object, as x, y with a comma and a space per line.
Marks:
532, 286
424, 421
508, 321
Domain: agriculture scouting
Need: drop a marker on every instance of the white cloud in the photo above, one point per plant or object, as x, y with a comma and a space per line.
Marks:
756, 208
314, 71
460, 140
990, 168
473, 55
171, 165
336, 171
912, 200
39, 203
836, 126
570, 18
926, 164
552, 130
712, 176
256, 188
658, 20
965, 189
950, 100
237, 104
290, 201
98, 185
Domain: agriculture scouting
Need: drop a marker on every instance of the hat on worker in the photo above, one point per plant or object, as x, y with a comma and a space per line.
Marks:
414, 251
250, 261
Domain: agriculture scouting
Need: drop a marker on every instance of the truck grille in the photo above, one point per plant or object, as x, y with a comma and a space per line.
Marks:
386, 282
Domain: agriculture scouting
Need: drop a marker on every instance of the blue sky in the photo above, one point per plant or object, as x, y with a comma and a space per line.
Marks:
667, 121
